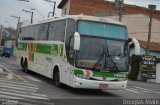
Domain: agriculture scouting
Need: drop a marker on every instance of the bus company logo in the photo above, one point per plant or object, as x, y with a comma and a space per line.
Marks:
20, 46
88, 73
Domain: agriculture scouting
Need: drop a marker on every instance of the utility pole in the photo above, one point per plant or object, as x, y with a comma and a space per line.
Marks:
54, 7
17, 17
49, 13
1, 34
119, 4
34, 9
1, 30
152, 8
31, 15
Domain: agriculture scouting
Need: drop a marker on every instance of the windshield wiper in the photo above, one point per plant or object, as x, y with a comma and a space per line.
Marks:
114, 64
110, 57
100, 58
106, 54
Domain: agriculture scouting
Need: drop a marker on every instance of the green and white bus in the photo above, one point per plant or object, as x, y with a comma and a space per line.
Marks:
79, 51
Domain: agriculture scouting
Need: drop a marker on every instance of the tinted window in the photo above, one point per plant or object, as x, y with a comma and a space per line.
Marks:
29, 33
34, 31
71, 28
42, 34
102, 29
57, 30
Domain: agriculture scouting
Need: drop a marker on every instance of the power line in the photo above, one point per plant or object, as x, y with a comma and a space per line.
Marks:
38, 11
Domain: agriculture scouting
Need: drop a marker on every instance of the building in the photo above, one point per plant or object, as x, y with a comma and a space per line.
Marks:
134, 17
100, 8
137, 25
154, 48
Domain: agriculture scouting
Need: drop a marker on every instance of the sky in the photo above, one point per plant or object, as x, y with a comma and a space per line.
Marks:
15, 7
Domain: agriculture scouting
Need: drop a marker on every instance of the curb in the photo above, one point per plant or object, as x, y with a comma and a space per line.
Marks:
15, 76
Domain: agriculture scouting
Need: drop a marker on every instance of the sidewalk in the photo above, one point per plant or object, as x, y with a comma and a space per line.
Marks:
6, 73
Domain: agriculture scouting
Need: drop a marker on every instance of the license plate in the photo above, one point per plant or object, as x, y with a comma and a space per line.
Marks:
103, 86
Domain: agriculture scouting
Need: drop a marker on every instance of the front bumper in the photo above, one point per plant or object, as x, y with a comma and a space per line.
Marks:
93, 84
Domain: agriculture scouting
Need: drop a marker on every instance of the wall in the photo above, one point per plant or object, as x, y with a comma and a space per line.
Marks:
92, 7
158, 73
66, 8
105, 8
157, 80
143, 52
137, 25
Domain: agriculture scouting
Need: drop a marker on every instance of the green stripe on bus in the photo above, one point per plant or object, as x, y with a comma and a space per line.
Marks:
77, 71
43, 48
31, 46
32, 56
52, 49
103, 74
22, 46
114, 75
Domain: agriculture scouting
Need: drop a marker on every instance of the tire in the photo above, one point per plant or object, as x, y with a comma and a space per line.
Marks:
22, 64
25, 66
57, 79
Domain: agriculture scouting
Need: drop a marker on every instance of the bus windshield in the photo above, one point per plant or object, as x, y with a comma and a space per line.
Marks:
98, 51
102, 54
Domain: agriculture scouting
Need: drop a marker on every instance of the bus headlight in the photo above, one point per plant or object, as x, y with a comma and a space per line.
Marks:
82, 76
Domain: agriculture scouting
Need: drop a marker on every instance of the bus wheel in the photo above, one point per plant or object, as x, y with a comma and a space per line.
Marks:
57, 79
25, 66
22, 65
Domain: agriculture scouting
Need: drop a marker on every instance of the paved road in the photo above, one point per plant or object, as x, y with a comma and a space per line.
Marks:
39, 90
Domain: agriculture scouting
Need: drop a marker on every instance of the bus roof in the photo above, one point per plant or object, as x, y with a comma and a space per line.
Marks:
78, 17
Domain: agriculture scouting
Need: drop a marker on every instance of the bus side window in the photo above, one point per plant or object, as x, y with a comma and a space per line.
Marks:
23, 33
57, 30
71, 28
42, 34
27, 33
34, 31
70, 55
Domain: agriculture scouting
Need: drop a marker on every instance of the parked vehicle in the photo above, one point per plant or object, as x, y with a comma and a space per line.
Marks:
5, 53
1, 50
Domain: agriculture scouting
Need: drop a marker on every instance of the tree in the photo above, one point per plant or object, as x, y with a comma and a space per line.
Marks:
12, 33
